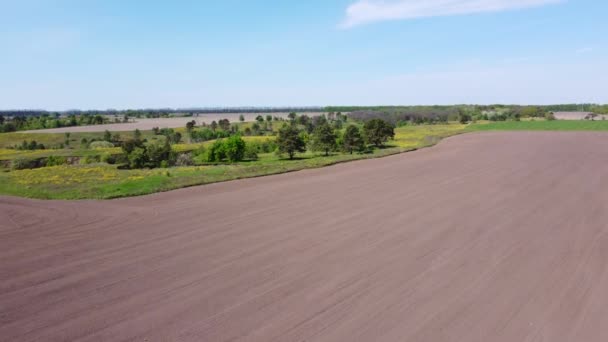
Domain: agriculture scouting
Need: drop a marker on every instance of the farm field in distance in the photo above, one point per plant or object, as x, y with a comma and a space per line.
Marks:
443, 243
146, 124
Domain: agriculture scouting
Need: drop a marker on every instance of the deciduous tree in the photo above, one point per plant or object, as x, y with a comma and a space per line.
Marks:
289, 141
378, 131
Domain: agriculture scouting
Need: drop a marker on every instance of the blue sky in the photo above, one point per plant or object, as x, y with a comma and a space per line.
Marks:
67, 54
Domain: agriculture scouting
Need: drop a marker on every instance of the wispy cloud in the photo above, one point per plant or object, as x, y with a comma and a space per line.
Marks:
368, 11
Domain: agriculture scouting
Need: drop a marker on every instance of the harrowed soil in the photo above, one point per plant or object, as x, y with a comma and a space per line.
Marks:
496, 236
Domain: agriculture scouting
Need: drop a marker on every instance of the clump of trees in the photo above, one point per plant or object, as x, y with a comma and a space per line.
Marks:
30, 146
169, 133
320, 133
149, 154
231, 149
32, 120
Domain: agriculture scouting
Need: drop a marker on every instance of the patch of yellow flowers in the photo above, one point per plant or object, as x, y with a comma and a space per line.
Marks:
64, 175
81, 174
423, 135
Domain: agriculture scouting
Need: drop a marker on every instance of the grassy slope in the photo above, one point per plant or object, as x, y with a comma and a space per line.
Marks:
105, 181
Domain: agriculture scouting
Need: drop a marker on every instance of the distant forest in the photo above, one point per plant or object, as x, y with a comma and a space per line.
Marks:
21, 120
161, 112
18, 120
435, 114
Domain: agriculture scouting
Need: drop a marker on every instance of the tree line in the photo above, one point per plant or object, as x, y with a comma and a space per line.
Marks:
24, 123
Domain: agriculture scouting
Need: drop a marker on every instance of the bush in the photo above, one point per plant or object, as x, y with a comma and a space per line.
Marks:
201, 150
234, 148
184, 159
216, 152
267, 146
157, 152
108, 158
251, 152
23, 163
100, 144
56, 160
138, 158
92, 159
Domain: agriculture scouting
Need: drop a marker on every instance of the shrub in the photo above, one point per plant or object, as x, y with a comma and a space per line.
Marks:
100, 144
137, 158
23, 163
56, 160
234, 148
157, 152
216, 152
91, 159
251, 152
108, 158
184, 159
201, 150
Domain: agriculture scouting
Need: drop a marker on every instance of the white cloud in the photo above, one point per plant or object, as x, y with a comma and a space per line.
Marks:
368, 11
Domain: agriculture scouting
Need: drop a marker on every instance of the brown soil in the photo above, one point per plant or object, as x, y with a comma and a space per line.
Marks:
486, 237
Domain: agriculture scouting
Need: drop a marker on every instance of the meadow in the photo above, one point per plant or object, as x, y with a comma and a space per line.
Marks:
104, 181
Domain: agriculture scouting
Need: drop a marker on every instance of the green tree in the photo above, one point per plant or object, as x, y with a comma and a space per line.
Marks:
269, 118
190, 126
137, 158
259, 119
159, 152
234, 148
378, 131
289, 141
107, 136
224, 124
292, 116
256, 128
464, 118
130, 145
216, 152
324, 139
241, 118
137, 134
353, 140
